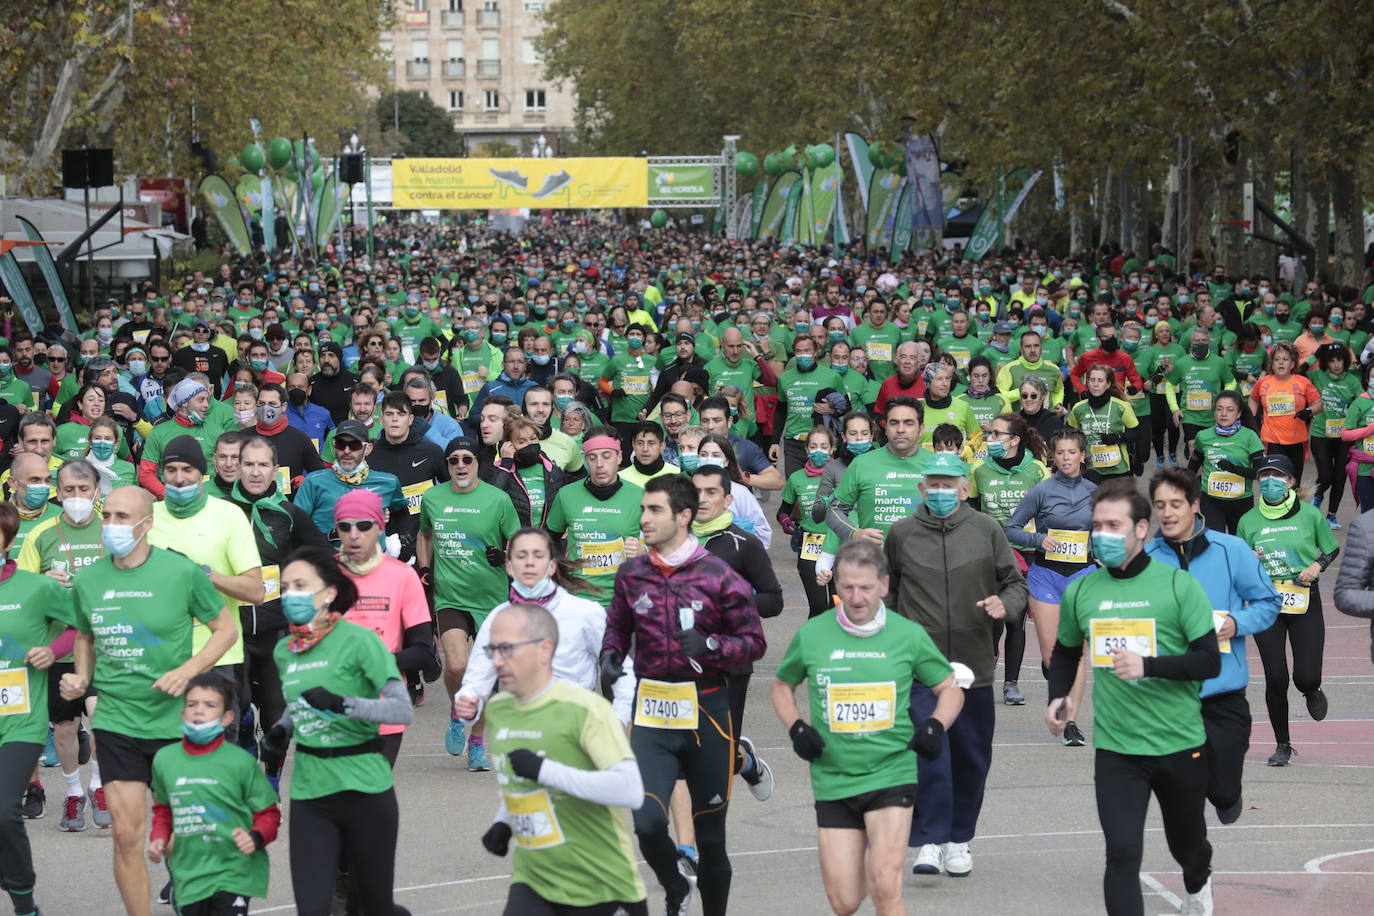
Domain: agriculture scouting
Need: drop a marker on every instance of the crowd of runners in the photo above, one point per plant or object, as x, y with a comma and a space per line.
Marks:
253, 519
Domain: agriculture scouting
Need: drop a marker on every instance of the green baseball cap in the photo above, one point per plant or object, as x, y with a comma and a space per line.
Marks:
946, 464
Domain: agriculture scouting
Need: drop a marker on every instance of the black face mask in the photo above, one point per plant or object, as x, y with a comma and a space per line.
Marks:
1110, 345
419, 410
527, 456
296, 396
1200, 351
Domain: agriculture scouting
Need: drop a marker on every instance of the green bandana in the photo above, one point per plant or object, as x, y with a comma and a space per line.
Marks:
188, 508
1278, 510
271, 501
704, 531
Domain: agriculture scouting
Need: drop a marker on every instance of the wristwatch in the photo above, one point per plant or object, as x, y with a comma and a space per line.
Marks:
205, 567
712, 644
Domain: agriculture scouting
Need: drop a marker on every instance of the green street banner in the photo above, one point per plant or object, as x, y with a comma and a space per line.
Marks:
249, 191
269, 215
789, 220
901, 223
48, 268
997, 211
825, 191
760, 193
13, 280
883, 190
686, 183
775, 207
332, 201
863, 169
805, 231
225, 206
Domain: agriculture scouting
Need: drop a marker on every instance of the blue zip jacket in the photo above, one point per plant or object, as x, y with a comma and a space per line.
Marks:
1235, 582
322, 489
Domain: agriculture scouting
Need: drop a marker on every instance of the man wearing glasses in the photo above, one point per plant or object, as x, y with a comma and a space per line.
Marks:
202, 356
322, 489
460, 549
1031, 362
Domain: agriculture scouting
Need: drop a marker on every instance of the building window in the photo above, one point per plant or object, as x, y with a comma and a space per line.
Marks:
419, 5
419, 49
534, 6
455, 100
455, 6
529, 53
455, 49
492, 100
491, 49
534, 99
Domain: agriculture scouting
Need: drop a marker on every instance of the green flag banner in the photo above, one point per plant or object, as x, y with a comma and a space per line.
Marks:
988, 229
13, 279
333, 197
225, 206
901, 223
825, 191
269, 215
249, 191
48, 268
775, 206
858, 157
756, 208
789, 220
805, 221
681, 182
883, 190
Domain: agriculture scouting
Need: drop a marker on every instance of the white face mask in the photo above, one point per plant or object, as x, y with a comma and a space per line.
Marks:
78, 508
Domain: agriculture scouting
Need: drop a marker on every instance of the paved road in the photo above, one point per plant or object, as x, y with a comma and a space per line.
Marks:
1304, 845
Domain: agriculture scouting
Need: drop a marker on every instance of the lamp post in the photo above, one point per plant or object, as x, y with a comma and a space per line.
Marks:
542, 148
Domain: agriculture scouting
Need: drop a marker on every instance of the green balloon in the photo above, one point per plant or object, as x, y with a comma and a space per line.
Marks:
232, 161
773, 165
875, 156
278, 152
746, 164
791, 158
824, 154
659, 219
251, 158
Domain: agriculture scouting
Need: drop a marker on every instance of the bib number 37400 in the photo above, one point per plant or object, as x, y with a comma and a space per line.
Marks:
666, 704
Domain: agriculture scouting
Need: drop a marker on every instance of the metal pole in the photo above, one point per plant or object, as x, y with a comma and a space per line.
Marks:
728, 185
90, 253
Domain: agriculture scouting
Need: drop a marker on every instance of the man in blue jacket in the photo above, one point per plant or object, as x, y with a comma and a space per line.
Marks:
1244, 601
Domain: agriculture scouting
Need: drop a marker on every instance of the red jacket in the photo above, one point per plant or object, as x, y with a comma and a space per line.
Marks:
1120, 362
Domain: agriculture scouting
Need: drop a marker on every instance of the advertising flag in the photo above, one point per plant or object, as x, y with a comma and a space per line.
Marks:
225, 206
883, 190
48, 268
775, 207
863, 169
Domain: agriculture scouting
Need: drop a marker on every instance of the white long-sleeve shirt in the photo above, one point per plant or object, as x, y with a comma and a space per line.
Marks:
746, 505
581, 625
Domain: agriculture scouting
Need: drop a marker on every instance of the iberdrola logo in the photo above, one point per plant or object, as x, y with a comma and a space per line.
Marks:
829, 183
665, 178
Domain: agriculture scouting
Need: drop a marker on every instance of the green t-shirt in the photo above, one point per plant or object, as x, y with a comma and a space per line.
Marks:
1152, 716
742, 375
881, 346
799, 389
167, 430
1360, 415
962, 349
630, 374
1199, 381
1115, 416
210, 795
801, 490
1001, 490
533, 479
351, 661
58, 544
569, 851
596, 531
27, 525
1246, 368
410, 333
464, 525
32, 606
1236, 448
1337, 394
957, 413
882, 488
859, 690
141, 620
16, 392
1287, 546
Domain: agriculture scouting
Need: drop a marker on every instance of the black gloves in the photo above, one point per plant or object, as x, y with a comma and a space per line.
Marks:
693, 643
806, 741
611, 670
1305, 415
929, 741
496, 556
426, 576
1226, 464
525, 763
1111, 438
324, 700
497, 838
272, 746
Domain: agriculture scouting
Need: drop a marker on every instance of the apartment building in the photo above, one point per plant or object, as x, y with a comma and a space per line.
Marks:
476, 59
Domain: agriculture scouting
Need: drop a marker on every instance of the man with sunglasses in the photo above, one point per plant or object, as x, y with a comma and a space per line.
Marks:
203, 356
322, 489
463, 531
1031, 362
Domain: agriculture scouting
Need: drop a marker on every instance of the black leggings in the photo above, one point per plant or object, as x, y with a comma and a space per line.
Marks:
17, 760
264, 684
819, 598
1163, 426
1015, 648
357, 829
1295, 453
1306, 633
1124, 783
523, 901
1329, 456
1226, 719
705, 757
1140, 443
1224, 514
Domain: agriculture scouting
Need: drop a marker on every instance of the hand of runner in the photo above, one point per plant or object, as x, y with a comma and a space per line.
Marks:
157, 849
692, 642
40, 658
1058, 714
824, 576
1129, 666
174, 682
806, 741
61, 575
244, 841
994, 607
1051, 545
611, 669
773, 453
72, 686
324, 699
633, 547
1310, 574
465, 707
929, 739
869, 534
273, 743
496, 557
525, 763
1228, 628
497, 838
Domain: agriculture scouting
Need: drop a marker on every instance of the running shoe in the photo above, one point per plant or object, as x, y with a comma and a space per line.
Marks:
49, 758
73, 814
1281, 756
511, 177
100, 812
1173, 461
552, 183
83, 747
1316, 705
1011, 694
1332, 523
1073, 735
1232, 814
164, 896
1159, 462
929, 860
760, 778
958, 860
35, 800
477, 758
680, 902
455, 739
1199, 904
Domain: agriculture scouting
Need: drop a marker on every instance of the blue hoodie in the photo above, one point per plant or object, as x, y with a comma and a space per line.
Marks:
1235, 582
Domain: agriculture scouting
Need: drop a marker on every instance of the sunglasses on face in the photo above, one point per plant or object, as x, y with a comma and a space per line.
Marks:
461, 459
347, 445
363, 526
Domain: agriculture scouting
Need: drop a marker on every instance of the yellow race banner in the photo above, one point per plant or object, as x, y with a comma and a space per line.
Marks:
479, 184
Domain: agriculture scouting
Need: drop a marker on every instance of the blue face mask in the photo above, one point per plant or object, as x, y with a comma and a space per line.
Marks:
201, 732
704, 462
689, 463
997, 448
35, 496
1273, 488
858, 448
298, 607
840, 368
537, 590
806, 362
119, 540
137, 366
498, 339
1109, 548
818, 457
942, 501
182, 496
102, 449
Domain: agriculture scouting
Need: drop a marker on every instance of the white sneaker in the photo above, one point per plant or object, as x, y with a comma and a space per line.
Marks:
928, 860
958, 860
1199, 904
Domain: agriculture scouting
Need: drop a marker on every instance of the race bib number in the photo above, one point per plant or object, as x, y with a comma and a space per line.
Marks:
879, 352
636, 384
14, 692
1296, 597
1219, 618
141, 337
981, 454
1106, 456
472, 383
811, 545
1281, 405
533, 822
1367, 444
414, 493
666, 704
603, 559
1334, 427
271, 583
961, 358
284, 480
1125, 635
441, 401
1073, 546
1199, 400
1225, 485
860, 708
